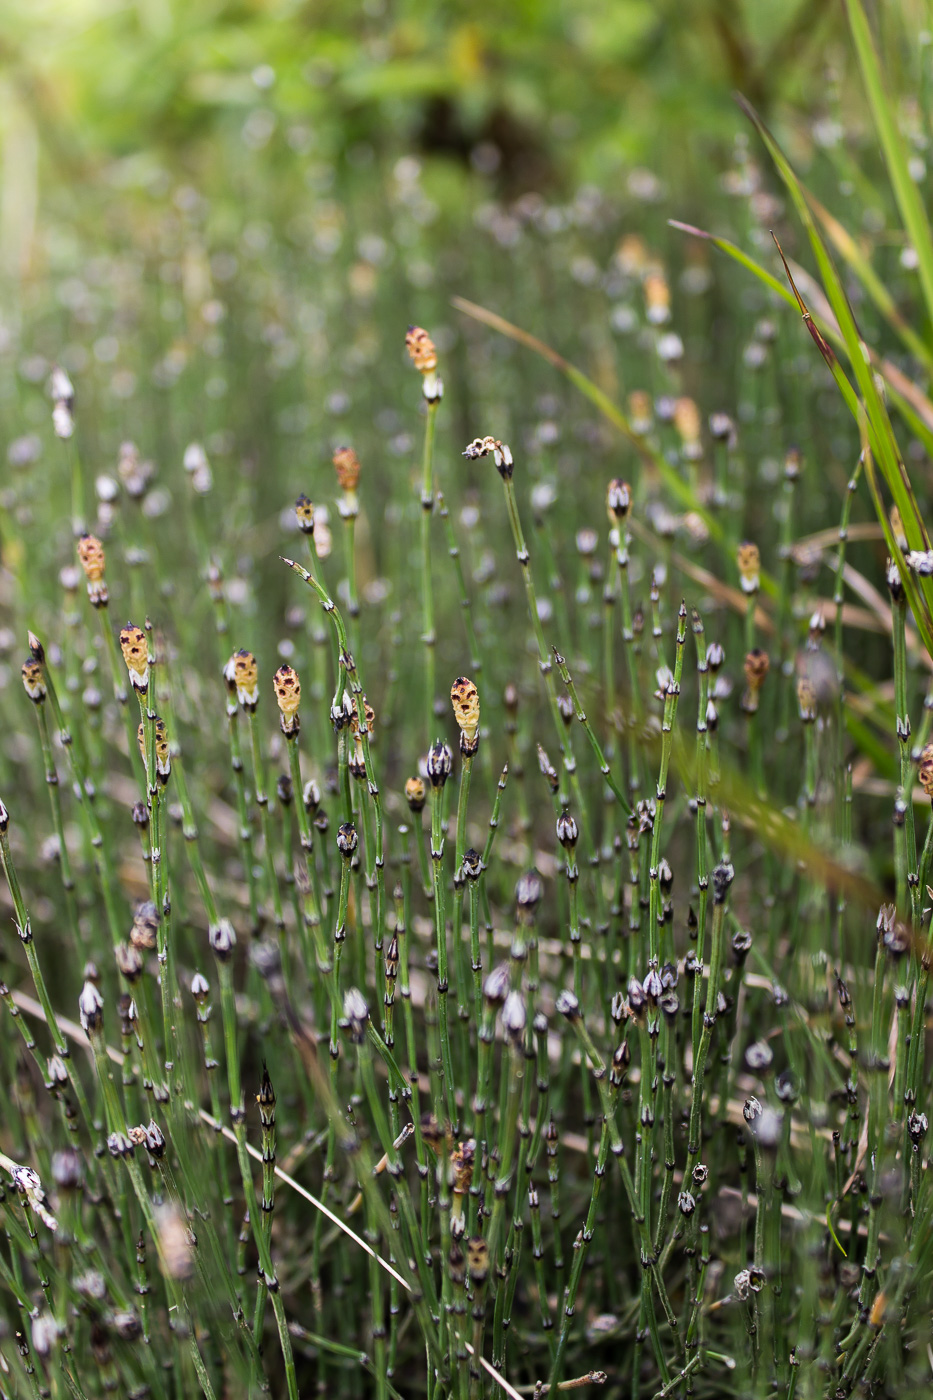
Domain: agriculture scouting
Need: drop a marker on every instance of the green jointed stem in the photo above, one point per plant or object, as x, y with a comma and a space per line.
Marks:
340, 937
668, 1079
463, 799
64, 859
544, 655
375, 871
904, 829
24, 929
83, 792
499, 1185
721, 878
158, 879
428, 635
702, 853
635, 717
572, 872
76, 473
266, 1100
348, 515
476, 953
238, 1118
609, 669
116, 1123
505, 1293
189, 822
440, 930
650, 1271
402, 905
245, 829
118, 672
313, 915
569, 1301
347, 669
265, 816
211, 1067
915, 1065
671, 696
604, 767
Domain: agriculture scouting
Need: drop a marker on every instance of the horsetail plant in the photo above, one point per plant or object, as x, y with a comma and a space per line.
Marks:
620, 1081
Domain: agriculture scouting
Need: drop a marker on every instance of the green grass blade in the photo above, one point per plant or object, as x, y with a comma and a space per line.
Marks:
848, 249
919, 604
906, 193
915, 406
743, 259
833, 287
915, 421
880, 434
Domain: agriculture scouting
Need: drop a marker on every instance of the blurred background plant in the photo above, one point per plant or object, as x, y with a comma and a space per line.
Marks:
217, 222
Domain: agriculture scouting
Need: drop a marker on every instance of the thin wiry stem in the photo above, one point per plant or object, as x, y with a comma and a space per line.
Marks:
428, 634
440, 930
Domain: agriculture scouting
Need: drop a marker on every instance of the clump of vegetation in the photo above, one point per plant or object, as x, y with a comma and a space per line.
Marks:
472, 934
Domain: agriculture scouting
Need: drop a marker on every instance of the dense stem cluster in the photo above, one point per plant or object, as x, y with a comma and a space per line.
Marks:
594, 1001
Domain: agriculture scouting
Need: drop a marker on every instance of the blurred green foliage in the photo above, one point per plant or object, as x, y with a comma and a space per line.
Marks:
536, 95
219, 219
